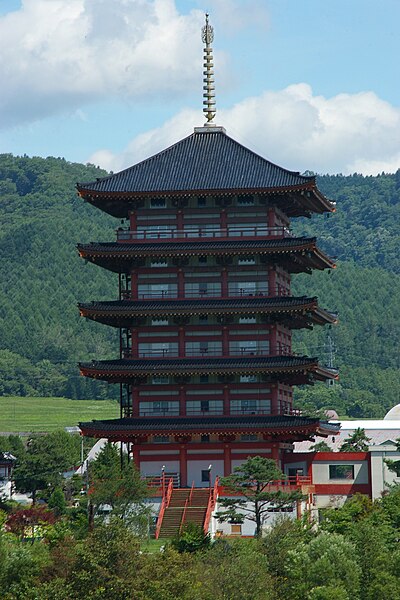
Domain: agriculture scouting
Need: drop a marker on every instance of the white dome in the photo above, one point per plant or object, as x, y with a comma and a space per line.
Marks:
393, 414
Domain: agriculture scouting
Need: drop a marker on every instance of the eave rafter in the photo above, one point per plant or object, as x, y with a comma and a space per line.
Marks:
293, 312
272, 428
295, 254
292, 370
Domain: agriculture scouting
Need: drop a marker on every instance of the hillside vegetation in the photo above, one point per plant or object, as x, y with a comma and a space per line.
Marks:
42, 279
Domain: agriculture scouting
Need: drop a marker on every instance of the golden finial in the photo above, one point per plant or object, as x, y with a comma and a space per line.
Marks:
207, 35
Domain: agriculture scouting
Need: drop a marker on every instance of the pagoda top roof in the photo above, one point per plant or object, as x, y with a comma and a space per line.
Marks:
205, 162
276, 424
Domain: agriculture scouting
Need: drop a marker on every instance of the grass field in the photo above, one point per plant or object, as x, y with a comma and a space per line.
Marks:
47, 414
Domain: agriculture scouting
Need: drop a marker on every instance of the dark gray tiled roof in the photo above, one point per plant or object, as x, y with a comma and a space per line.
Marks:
216, 423
190, 364
201, 161
164, 247
201, 304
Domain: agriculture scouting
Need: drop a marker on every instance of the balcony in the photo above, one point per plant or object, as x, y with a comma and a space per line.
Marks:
165, 353
193, 233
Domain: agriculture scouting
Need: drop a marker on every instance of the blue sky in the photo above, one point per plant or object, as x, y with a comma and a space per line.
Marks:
310, 84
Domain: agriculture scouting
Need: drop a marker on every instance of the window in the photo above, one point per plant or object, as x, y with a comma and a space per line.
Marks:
249, 437
248, 379
205, 476
159, 321
247, 260
245, 200
158, 203
202, 201
203, 378
159, 263
204, 405
247, 320
160, 407
236, 529
341, 471
203, 260
205, 438
160, 439
249, 406
159, 380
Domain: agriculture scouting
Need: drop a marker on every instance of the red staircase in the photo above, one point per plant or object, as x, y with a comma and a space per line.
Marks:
186, 505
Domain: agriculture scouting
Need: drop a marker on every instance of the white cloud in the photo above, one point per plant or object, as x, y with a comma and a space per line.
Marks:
234, 15
59, 54
346, 133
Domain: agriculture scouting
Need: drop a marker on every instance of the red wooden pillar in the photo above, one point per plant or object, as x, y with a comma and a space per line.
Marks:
179, 223
227, 406
183, 466
274, 399
136, 456
135, 401
133, 221
271, 217
181, 342
227, 460
134, 285
134, 343
181, 284
182, 401
272, 287
225, 341
224, 283
224, 223
275, 454
273, 341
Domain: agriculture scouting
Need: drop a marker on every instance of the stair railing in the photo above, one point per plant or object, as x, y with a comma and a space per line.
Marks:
166, 499
183, 515
212, 500
191, 493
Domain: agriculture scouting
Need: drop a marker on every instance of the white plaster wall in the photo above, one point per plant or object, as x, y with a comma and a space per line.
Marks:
150, 467
329, 501
320, 472
248, 526
381, 476
195, 467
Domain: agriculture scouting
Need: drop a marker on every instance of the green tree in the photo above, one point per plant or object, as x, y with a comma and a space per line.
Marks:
339, 520
252, 482
46, 457
57, 502
119, 486
356, 442
329, 560
321, 447
191, 539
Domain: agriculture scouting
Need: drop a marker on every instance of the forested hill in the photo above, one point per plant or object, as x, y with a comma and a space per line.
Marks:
42, 279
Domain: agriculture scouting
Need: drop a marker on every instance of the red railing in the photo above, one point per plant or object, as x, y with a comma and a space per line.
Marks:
183, 515
212, 500
278, 292
188, 502
291, 483
166, 499
241, 231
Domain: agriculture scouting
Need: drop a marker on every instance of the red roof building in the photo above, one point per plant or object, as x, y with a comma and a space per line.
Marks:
205, 309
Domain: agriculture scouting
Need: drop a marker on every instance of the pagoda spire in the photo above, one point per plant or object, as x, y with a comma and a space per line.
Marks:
207, 35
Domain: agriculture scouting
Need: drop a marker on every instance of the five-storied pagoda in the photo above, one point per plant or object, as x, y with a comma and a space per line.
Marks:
205, 311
